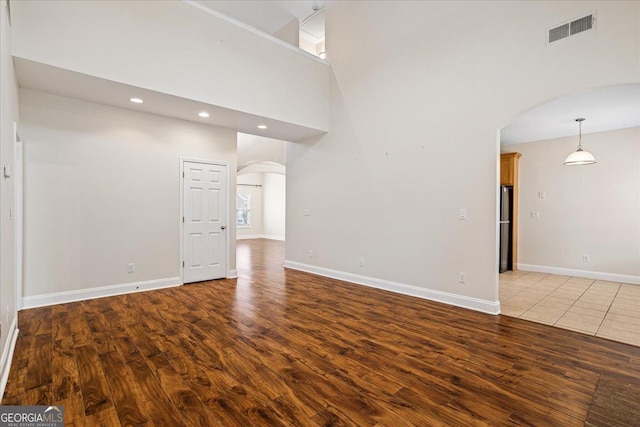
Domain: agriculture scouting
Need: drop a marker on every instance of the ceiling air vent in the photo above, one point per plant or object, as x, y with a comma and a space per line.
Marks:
571, 28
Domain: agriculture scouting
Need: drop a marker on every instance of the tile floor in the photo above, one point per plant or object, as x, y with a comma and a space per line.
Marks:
595, 307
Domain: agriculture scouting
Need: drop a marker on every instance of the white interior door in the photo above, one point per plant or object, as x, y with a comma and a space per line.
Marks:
205, 227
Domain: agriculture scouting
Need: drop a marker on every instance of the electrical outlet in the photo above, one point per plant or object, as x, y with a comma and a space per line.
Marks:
361, 261
306, 212
131, 267
586, 258
310, 254
462, 278
541, 194
463, 214
534, 214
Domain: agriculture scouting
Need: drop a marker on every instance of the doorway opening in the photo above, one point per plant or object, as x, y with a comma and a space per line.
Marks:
261, 188
578, 256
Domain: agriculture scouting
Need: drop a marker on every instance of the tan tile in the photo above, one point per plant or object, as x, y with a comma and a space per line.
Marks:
627, 291
521, 306
555, 279
621, 325
624, 312
518, 286
596, 299
560, 293
544, 315
591, 305
628, 296
505, 294
626, 288
511, 311
626, 307
535, 293
583, 311
574, 286
546, 285
530, 278
607, 283
614, 317
601, 291
572, 316
557, 303
570, 327
619, 335
580, 280
567, 321
524, 298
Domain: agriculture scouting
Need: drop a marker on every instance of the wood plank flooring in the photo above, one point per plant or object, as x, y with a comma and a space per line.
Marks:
281, 347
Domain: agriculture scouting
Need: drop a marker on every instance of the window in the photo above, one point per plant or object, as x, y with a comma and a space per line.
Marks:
243, 210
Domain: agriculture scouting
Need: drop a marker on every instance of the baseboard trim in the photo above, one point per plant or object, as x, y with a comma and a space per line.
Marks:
7, 356
596, 275
233, 274
273, 237
99, 292
261, 236
490, 307
249, 236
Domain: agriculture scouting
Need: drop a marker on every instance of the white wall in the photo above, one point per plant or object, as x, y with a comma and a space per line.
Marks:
290, 32
256, 230
8, 115
175, 48
102, 189
593, 210
274, 205
413, 138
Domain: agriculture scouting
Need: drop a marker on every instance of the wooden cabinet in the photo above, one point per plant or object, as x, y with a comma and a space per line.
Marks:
509, 174
509, 168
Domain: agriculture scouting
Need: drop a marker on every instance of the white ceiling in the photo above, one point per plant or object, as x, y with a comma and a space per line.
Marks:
605, 108
46, 78
270, 16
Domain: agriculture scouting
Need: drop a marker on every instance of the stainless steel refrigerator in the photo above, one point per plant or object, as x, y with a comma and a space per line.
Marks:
506, 209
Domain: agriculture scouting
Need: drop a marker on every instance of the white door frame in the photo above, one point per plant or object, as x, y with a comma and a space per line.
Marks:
18, 167
184, 160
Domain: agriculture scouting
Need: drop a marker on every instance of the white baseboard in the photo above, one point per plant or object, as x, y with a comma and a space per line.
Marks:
7, 355
233, 274
98, 292
261, 236
490, 307
249, 236
596, 275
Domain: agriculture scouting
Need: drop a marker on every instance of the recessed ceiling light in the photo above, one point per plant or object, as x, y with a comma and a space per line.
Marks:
262, 126
136, 100
203, 114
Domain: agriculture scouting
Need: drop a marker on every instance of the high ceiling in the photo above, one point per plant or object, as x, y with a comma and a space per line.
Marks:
605, 108
270, 16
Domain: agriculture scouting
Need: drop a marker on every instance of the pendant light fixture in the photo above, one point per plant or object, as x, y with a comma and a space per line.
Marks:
580, 157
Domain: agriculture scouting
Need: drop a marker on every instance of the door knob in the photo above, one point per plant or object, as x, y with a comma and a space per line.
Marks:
222, 227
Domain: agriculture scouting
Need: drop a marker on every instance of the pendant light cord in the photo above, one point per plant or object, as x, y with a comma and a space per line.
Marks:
580, 134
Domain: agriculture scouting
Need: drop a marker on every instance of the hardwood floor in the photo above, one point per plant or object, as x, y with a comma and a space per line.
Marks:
281, 347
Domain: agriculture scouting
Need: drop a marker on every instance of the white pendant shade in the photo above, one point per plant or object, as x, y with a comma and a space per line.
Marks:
580, 157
